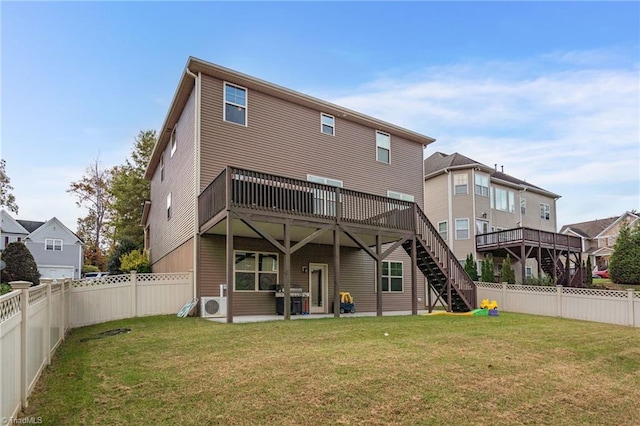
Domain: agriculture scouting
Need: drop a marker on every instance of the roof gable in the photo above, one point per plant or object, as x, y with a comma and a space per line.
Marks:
54, 228
31, 225
10, 225
598, 227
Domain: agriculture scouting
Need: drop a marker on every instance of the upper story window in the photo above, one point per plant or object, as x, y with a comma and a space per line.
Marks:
392, 276
523, 206
161, 167
235, 104
168, 206
383, 147
545, 211
255, 271
443, 230
482, 185
174, 142
505, 200
53, 244
460, 184
462, 229
324, 201
400, 196
327, 124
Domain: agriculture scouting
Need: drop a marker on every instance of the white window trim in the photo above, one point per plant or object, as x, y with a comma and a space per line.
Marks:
400, 196
467, 229
523, 206
225, 102
53, 244
466, 185
332, 126
543, 211
389, 276
446, 237
256, 288
320, 194
480, 186
174, 142
378, 132
169, 207
162, 167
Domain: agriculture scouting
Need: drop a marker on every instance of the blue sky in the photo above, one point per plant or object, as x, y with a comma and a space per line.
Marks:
549, 90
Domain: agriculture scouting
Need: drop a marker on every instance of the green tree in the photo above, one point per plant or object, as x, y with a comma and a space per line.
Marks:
624, 266
19, 264
588, 273
92, 193
129, 190
470, 267
507, 274
7, 199
135, 260
487, 270
122, 247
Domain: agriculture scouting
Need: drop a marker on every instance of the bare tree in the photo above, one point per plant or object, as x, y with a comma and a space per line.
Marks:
7, 199
92, 192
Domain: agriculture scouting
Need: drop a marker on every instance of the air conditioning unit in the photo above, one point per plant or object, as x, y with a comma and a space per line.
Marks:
211, 307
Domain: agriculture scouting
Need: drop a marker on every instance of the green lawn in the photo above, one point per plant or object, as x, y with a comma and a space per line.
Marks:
511, 369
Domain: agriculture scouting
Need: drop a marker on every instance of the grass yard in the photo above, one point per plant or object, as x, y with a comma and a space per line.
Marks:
511, 369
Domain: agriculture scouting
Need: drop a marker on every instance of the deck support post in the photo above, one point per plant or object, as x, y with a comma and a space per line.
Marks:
414, 277
379, 275
230, 264
286, 273
336, 272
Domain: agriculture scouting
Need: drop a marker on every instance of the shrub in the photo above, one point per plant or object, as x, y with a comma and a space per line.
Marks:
4, 288
135, 260
487, 270
507, 275
19, 264
470, 267
123, 246
543, 280
89, 268
624, 266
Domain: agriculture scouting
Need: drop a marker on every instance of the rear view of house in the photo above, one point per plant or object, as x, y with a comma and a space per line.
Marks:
273, 193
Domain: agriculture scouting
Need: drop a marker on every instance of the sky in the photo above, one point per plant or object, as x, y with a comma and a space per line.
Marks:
548, 90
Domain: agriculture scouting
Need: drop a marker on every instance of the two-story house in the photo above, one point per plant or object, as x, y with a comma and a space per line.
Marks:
271, 192
55, 248
482, 211
599, 236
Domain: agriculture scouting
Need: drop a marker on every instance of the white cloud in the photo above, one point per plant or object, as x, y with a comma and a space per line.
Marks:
567, 121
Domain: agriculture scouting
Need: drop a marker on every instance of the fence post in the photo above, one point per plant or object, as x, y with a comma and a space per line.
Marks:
559, 301
23, 286
134, 294
504, 296
47, 327
191, 278
62, 309
632, 317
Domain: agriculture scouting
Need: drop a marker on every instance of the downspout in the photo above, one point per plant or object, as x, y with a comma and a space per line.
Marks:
196, 177
451, 225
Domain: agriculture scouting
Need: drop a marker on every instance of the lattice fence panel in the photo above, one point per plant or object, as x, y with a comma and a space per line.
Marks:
37, 294
10, 306
163, 278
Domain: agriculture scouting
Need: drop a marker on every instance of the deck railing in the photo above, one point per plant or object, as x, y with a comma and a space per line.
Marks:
528, 235
266, 192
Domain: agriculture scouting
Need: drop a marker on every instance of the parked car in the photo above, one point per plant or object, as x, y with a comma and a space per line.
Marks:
601, 274
95, 275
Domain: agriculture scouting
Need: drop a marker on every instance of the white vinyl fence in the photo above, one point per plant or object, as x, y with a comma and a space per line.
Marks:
607, 306
34, 320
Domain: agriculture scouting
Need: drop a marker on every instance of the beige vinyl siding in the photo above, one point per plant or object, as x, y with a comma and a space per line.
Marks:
357, 275
177, 260
179, 173
285, 139
532, 218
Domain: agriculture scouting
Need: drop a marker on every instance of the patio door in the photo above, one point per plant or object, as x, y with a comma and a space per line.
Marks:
318, 288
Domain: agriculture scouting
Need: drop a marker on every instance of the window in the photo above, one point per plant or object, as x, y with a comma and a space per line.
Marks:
399, 196
255, 271
443, 230
545, 211
324, 201
327, 124
391, 276
53, 244
174, 143
528, 272
162, 167
482, 185
235, 104
383, 145
523, 207
482, 227
505, 200
168, 206
460, 184
462, 229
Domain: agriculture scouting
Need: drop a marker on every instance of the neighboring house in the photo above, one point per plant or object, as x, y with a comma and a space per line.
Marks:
263, 188
599, 236
480, 210
56, 250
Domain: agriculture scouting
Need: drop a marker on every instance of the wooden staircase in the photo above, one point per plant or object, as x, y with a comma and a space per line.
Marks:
547, 265
444, 273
